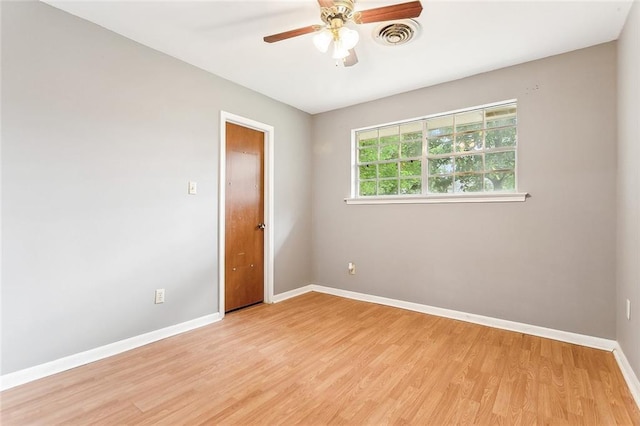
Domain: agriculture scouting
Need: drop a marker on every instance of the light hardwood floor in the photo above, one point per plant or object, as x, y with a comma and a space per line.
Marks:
319, 359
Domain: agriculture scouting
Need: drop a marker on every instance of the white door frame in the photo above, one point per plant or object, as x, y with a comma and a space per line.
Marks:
226, 117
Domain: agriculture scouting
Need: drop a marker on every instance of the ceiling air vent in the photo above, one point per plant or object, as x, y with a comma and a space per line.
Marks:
397, 33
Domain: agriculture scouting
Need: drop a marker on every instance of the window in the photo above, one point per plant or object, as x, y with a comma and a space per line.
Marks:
464, 152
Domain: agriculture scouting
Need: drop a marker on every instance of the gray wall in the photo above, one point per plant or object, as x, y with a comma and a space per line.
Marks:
100, 136
549, 261
628, 332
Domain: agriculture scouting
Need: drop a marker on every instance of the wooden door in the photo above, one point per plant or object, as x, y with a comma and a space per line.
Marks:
244, 217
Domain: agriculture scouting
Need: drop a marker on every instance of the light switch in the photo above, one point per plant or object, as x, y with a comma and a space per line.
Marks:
193, 188
159, 296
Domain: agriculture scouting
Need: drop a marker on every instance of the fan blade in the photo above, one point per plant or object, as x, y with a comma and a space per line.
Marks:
325, 3
352, 59
389, 13
293, 33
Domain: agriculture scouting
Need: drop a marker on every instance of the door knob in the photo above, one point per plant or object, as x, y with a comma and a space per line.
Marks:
261, 226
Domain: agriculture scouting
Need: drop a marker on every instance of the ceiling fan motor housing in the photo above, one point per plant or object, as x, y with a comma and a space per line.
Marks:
342, 10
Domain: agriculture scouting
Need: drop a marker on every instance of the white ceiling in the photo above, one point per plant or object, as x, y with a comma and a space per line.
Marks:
458, 39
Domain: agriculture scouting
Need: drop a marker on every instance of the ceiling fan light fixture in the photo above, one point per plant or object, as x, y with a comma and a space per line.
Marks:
339, 50
322, 40
348, 37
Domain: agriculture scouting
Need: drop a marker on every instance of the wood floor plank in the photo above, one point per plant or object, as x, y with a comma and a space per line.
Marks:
320, 359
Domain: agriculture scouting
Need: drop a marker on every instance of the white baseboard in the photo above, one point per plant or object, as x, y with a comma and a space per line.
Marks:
563, 336
292, 293
627, 372
20, 377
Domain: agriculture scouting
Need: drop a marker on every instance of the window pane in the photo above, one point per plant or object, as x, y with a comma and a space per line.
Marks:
440, 166
368, 188
411, 149
469, 141
411, 127
411, 132
388, 170
471, 120
388, 187
410, 186
389, 134
500, 181
469, 163
440, 126
389, 152
441, 184
368, 142
368, 171
368, 154
412, 137
469, 183
504, 115
368, 138
501, 160
501, 137
441, 145
410, 168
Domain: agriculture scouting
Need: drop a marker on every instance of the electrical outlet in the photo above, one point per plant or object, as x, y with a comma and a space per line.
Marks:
352, 268
628, 309
159, 296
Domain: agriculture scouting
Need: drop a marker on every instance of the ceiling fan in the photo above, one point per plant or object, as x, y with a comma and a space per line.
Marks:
336, 14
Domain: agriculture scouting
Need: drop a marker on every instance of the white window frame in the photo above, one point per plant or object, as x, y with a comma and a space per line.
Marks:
425, 197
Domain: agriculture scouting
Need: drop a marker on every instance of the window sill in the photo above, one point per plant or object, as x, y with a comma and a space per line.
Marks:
445, 198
